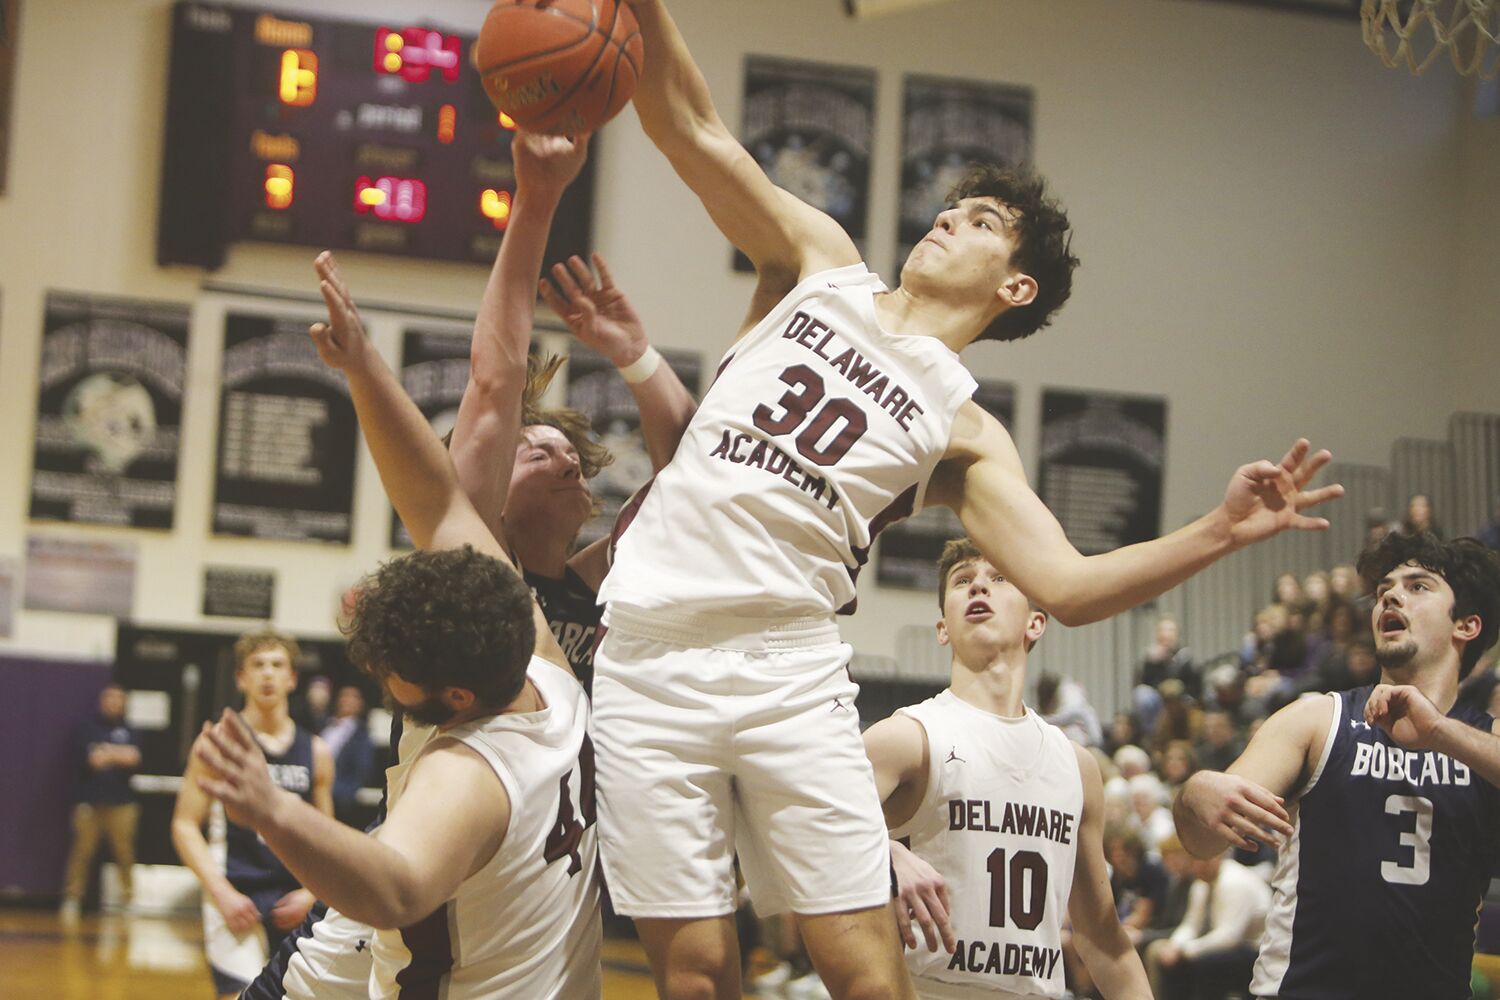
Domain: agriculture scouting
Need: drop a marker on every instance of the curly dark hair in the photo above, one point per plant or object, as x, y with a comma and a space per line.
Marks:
1043, 244
1470, 569
446, 618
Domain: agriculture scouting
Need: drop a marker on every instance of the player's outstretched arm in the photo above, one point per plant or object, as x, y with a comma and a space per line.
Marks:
414, 467
1415, 723
1106, 950
489, 415
417, 472
1235, 808
982, 480
779, 233
600, 316
391, 879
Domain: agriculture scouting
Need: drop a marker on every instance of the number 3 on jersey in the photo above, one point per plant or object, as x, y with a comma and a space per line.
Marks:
807, 392
567, 831
1419, 840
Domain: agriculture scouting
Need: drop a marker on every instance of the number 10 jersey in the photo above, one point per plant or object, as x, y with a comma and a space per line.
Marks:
1376, 895
1000, 821
820, 429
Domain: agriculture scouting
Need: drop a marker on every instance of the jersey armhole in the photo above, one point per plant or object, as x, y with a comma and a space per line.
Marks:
497, 765
924, 805
1333, 732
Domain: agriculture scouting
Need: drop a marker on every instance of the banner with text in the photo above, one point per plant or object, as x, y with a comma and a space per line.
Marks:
1101, 466
109, 411
286, 435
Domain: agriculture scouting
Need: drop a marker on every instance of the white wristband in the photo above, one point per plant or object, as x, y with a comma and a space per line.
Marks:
642, 367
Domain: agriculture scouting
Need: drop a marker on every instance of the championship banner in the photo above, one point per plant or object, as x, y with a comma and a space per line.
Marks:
948, 125
434, 371
79, 576
596, 389
109, 411
1101, 468
287, 429
909, 550
238, 592
810, 126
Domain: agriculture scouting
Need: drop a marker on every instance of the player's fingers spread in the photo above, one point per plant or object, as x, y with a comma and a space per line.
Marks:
1310, 523
565, 282
606, 280
1311, 498
1294, 455
1313, 465
581, 272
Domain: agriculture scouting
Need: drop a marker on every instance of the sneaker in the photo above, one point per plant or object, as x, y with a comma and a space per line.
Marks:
770, 982
809, 987
69, 912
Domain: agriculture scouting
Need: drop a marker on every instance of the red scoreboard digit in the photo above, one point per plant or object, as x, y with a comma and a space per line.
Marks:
336, 134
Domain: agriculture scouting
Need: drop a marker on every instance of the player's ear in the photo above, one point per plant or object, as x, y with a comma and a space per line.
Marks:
1017, 290
942, 632
459, 699
1036, 624
1467, 628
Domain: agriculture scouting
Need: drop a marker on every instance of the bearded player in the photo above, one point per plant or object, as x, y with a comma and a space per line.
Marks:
1382, 799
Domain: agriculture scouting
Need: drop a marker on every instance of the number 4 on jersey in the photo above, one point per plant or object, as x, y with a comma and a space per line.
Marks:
567, 831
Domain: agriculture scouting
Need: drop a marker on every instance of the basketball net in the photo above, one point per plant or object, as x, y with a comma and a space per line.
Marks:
1415, 33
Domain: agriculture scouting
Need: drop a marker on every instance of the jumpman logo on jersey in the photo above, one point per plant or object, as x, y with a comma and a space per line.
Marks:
838, 703
953, 756
361, 945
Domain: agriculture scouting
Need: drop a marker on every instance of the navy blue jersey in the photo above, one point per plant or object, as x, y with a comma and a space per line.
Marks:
571, 608
1378, 892
248, 862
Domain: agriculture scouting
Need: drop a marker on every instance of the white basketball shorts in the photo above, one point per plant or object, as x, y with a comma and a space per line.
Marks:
715, 734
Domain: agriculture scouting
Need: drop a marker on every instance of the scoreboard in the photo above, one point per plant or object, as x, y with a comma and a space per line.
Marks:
333, 134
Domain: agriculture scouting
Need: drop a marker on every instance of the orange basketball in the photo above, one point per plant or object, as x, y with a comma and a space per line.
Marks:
561, 66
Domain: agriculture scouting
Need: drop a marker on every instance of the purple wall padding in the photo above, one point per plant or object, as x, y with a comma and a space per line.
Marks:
42, 704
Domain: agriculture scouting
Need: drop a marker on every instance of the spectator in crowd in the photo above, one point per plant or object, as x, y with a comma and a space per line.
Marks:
1419, 516
1167, 658
1378, 524
1225, 691
1177, 864
1148, 804
108, 751
1318, 599
1139, 885
1219, 744
1213, 950
1344, 583
348, 737
313, 713
1122, 732
1177, 764
1065, 704
1287, 593
1179, 719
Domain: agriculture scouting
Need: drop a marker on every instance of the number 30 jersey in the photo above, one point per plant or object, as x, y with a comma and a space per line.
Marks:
820, 429
1000, 821
1376, 895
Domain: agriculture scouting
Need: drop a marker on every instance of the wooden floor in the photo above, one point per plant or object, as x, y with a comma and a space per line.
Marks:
113, 957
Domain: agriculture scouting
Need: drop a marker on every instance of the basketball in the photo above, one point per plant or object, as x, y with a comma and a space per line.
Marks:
560, 66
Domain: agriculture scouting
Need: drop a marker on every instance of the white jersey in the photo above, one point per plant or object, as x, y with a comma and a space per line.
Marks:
526, 926
820, 429
1000, 822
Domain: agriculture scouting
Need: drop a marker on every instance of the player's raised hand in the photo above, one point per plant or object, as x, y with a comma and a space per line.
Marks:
547, 163
1237, 809
341, 342
1405, 714
923, 897
238, 776
1265, 498
597, 312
